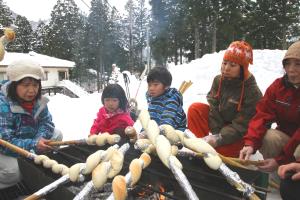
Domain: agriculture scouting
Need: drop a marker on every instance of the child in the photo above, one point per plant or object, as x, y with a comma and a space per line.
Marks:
164, 103
232, 99
113, 117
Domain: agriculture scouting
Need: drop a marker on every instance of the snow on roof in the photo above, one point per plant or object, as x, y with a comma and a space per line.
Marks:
76, 89
43, 60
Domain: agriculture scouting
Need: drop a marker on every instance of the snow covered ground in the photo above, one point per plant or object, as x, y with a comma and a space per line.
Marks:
74, 116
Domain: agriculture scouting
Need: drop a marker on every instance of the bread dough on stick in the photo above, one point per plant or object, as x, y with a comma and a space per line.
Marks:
152, 131
119, 188
99, 175
163, 149
144, 118
92, 161
199, 145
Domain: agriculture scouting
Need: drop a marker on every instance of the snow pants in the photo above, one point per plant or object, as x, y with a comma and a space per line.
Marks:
9, 168
198, 123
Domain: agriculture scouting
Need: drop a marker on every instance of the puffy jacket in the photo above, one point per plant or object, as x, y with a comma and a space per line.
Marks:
224, 117
167, 109
21, 128
110, 122
280, 105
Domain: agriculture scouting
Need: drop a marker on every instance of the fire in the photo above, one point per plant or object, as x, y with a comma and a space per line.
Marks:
154, 195
161, 189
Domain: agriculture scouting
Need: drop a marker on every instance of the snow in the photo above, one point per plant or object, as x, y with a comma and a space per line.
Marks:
74, 116
43, 60
76, 89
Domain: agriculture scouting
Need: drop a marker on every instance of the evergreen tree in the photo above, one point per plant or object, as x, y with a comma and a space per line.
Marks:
40, 38
24, 36
5, 15
63, 27
98, 38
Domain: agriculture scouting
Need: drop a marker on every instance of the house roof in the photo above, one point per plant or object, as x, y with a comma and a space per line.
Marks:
43, 60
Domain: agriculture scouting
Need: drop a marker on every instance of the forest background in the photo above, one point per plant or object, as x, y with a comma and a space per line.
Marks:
170, 31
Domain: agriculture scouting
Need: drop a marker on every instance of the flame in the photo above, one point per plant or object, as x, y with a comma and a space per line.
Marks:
161, 189
145, 192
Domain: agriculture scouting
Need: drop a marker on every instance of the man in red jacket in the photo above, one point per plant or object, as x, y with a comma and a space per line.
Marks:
280, 105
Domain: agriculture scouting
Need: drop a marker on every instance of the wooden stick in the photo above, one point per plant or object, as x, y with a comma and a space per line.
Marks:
187, 85
69, 142
247, 162
16, 149
181, 86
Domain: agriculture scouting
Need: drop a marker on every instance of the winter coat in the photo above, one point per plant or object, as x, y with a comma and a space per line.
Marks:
224, 117
280, 105
167, 109
21, 128
111, 122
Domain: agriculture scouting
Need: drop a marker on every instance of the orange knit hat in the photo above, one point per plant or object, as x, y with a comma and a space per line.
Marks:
240, 52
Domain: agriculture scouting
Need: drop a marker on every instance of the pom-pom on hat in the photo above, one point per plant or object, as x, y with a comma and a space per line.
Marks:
240, 52
23, 68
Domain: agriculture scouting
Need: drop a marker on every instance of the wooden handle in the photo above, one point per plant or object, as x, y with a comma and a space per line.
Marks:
181, 86
247, 162
33, 197
16, 149
70, 142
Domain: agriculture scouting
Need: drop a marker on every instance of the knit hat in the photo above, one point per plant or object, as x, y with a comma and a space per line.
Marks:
22, 68
293, 51
240, 52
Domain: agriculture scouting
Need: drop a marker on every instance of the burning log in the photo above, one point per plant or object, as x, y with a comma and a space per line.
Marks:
106, 169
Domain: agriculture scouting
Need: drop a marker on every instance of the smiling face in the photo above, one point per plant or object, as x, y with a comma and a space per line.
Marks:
111, 104
230, 70
292, 69
27, 89
156, 88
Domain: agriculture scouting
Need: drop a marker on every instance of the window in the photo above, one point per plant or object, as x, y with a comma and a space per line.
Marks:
2, 76
46, 76
61, 76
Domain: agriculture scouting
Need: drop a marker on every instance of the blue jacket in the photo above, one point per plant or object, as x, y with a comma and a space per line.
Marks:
21, 128
167, 109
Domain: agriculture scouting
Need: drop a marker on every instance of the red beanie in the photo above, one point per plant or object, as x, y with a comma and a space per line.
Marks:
240, 52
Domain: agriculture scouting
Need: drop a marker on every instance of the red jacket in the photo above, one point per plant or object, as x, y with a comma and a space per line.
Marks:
110, 122
280, 104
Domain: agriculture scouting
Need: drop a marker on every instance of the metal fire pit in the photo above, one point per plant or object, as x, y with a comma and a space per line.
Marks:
208, 184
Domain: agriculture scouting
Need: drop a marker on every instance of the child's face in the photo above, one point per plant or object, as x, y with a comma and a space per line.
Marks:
156, 88
230, 70
111, 104
292, 69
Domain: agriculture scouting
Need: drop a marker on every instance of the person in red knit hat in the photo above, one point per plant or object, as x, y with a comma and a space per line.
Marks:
232, 100
281, 105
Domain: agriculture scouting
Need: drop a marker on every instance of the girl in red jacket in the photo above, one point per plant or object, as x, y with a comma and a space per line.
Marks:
114, 116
